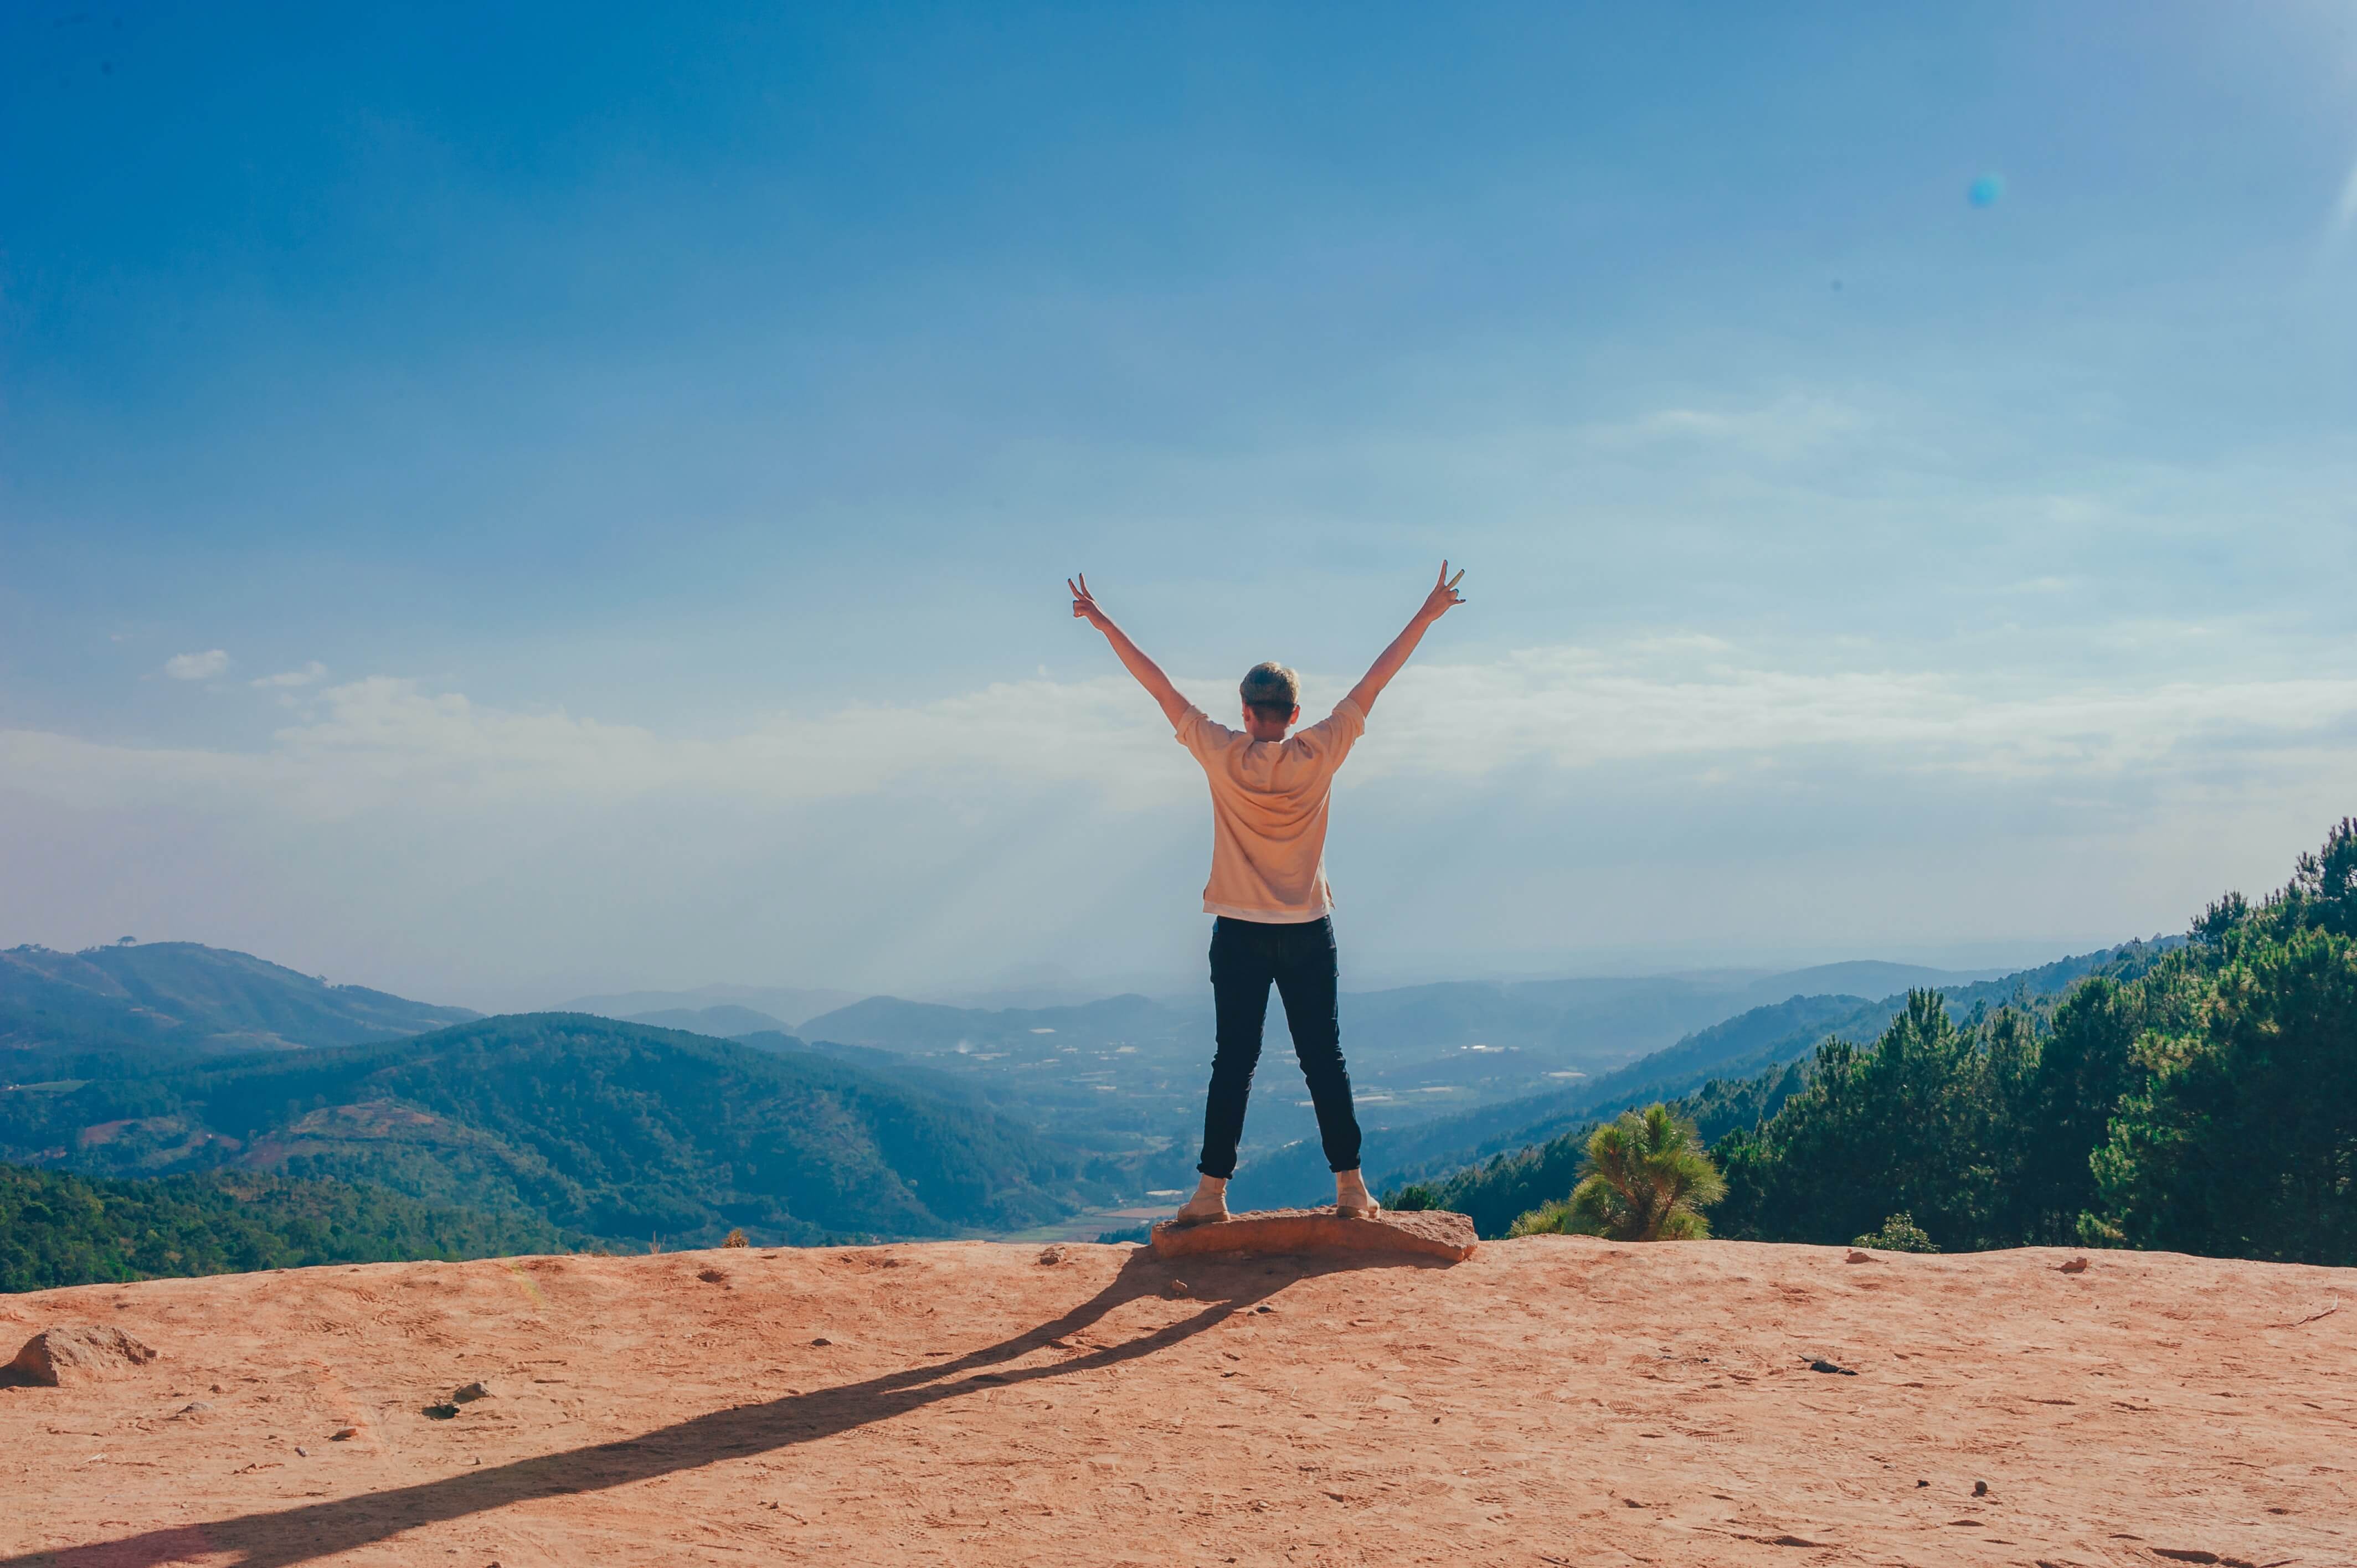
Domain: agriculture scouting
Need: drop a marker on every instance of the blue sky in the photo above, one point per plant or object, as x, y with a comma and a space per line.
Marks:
500, 504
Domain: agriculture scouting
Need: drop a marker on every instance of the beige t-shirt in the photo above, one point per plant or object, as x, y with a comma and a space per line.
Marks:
1268, 814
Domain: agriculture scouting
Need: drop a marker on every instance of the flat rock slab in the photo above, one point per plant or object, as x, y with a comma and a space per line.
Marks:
1431, 1233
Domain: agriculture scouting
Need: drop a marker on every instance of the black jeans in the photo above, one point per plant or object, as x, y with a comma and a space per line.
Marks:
1246, 955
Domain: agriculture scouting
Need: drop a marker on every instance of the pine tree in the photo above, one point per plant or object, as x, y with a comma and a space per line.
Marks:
1647, 1179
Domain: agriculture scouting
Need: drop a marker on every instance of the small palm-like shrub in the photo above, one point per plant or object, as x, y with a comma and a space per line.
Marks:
1551, 1219
1899, 1233
1646, 1180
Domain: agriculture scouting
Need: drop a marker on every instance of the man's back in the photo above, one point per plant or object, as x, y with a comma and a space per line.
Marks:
1269, 813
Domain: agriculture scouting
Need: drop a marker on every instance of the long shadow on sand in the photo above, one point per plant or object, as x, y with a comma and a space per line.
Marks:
321, 1529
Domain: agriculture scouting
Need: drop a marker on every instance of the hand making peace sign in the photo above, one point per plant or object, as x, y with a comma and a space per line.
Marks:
1444, 596
1084, 604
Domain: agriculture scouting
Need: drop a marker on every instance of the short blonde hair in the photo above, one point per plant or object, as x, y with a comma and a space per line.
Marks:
1270, 690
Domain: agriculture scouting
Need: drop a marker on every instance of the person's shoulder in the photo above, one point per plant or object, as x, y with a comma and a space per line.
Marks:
1346, 722
1198, 729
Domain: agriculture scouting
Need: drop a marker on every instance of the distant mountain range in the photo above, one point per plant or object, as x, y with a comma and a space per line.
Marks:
784, 1006
725, 1022
166, 1001
1584, 1023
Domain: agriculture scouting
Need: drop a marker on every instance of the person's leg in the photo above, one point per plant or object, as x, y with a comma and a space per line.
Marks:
1308, 980
1240, 977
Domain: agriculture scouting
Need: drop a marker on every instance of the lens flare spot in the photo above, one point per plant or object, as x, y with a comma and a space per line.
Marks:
1984, 191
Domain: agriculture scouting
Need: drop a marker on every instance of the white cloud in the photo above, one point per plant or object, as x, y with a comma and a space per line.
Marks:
1787, 427
1556, 798
1574, 707
196, 666
1694, 701
308, 675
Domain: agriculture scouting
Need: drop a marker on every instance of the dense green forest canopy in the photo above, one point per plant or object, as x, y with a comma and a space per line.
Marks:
2199, 1098
59, 1229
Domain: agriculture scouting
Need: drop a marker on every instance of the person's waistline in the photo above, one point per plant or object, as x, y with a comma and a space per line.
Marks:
1267, 916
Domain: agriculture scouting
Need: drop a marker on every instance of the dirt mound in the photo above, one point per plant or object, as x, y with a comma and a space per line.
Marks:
1553, 1400
69, 1355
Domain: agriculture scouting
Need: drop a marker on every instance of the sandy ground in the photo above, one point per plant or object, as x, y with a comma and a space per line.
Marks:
1553, 1401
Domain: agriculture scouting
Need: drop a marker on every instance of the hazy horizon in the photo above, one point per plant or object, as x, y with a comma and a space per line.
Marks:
1031, 986
505, 506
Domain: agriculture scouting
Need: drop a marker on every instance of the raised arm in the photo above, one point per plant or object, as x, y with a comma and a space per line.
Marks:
1442, 598
1133, 658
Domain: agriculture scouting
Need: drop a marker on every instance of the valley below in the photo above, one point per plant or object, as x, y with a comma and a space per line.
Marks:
695, 1114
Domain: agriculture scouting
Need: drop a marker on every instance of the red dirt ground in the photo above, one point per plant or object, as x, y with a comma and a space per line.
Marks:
1553, 1401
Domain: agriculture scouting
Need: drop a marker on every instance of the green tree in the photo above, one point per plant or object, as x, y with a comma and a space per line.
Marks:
2237, 1135
1904, 1123
1415, 1197
2322, 895
2062, 1115
1648, 1179
1899, 1233
2241, 1139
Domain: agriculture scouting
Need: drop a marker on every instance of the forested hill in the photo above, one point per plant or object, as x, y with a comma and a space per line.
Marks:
59, 1229
161, 1004
1750, 1043
613, 1130
2200, 1098
1754, 1042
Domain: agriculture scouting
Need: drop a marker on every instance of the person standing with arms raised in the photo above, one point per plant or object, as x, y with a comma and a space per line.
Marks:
1272, 909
